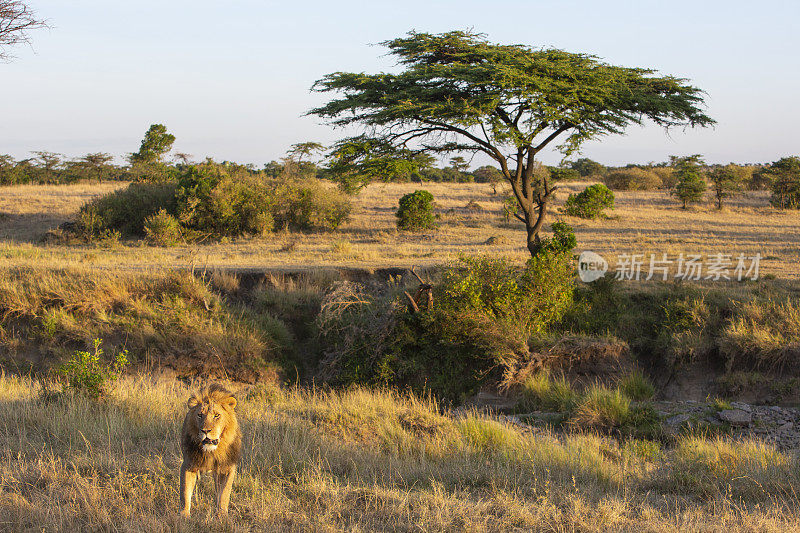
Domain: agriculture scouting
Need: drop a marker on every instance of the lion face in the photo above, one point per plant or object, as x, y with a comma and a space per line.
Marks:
210, 414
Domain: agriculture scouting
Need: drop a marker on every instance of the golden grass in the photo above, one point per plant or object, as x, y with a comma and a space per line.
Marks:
643, 222
363, 460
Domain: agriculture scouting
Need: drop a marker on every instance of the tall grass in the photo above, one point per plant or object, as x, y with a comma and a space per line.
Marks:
363, 460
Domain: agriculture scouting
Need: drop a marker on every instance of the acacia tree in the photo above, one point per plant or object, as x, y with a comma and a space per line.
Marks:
459, 164
457, 92
306, 149
691, 184
785, 176
16, 20
727, 181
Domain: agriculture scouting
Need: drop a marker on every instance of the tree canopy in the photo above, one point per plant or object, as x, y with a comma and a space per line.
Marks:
156, 143
691, 185
785, 175
457, 92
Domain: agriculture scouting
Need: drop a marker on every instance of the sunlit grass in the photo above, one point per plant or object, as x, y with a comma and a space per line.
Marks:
365, 460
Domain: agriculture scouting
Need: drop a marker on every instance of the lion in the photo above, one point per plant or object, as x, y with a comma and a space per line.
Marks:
211, 441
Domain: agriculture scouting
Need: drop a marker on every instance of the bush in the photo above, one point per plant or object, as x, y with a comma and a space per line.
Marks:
87, 374
485, 311
307, 205
525, 300
215, 201
162, 229
415, 212
591, 202
564, 174
126, 210
667, 176
633, 179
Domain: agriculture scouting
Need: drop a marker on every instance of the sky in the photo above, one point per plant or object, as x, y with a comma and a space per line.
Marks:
231, 79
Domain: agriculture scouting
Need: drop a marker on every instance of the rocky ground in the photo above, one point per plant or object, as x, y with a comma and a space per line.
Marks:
779, 426
775, 425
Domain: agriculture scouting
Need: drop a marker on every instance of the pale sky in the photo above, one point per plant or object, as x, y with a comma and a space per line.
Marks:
231, 79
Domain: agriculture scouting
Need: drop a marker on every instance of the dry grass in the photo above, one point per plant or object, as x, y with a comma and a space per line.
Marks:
643, 222
365, 461
170, 319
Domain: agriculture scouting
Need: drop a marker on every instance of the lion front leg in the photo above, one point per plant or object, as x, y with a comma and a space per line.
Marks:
224, 483
188, 480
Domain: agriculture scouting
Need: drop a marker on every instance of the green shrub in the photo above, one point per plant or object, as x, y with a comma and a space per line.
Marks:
485, 311
162, 229
415, 212
559, 246
633, 179
308, 205
564, 174
525, 300
125, 210
591, 202
87, 374
215, 200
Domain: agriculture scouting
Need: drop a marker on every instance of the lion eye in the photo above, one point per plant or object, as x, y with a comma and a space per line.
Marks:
216, 415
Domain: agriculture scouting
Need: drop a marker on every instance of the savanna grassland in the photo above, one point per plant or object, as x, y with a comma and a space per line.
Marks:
643, 222
361, 460
359, 415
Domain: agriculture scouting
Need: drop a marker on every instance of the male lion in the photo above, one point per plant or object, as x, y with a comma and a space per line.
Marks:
210, 440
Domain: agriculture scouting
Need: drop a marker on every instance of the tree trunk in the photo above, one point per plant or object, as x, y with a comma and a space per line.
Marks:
534, 228
532, 196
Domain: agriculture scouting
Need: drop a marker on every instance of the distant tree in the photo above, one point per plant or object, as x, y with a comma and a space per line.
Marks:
10, 171
183, 158
691, 186
489, 174
564, 173
760, 178
458, 93
726, 181
16, 20
632, 179
48, 166
94, 166
156, 144
785, 174
48, 161
459, 164
273, 169
300, 150
586, 167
